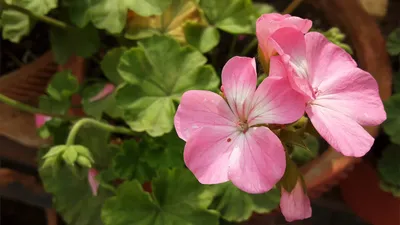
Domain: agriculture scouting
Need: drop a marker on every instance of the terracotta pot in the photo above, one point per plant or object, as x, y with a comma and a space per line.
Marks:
362, 193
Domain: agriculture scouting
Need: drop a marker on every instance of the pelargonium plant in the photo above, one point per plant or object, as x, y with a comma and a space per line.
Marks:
162, 141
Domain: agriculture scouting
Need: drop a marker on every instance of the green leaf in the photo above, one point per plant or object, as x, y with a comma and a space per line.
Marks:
392, 123
149, 7
396, 80
303, 154
109, 65
63, 85
393, 42
51, 105
389, 165
233, 16
204, 38
291, 175
159, 71
177, 198
110, 15
393, 189
77, 41
262, 8
336, 36
15, 24
235, 205
128, 164
170, 23
72, 196
106, 105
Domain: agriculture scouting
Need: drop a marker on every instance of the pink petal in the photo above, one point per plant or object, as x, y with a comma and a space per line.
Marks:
326, 60
40, 120
239, 78
108, 89
275, 101
291, 45
200, 109
355, 94
267, 24
94, 184
295, 205
258, 161
207, 153
341, 132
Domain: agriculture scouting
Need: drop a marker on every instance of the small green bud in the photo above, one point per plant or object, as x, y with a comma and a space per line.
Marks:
84, 162
54, 151
83, 151
70, 155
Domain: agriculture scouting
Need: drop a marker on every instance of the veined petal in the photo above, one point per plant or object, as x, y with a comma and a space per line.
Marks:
239, 79
326, 61
276, 102
200, 109
341, 132
355, 94
290, 44
267, 24
207, 153
257, 161
295, 205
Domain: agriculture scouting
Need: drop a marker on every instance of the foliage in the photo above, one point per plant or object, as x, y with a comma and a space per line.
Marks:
336, 36
389, 169
392, 123
393, 42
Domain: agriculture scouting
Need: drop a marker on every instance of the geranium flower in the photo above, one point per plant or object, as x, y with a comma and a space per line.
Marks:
94, 184
227, 139
40, 120
267, 24
340, 97
108, 89
296, 204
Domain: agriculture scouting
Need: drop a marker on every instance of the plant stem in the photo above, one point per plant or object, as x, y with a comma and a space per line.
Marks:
249, 46
78, 125
46, 19
232, 47
292, 6
30, 109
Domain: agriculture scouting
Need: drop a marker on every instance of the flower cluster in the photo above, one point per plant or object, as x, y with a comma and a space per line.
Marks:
228, 137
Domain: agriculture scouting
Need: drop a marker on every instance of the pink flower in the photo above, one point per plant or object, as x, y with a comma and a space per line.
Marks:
41, 119
267, 24
226, 140
108, 89
340, 97
296, 204
94, 184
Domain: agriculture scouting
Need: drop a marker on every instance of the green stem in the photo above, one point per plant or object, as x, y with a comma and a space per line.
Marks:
46, 19
78, 125
249, 46
232, 47
30, 109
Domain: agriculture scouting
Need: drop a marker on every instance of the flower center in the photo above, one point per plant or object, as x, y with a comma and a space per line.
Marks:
243, 126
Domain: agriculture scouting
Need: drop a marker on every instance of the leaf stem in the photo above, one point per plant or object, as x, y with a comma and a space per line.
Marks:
292, 6
30, 109
78, 125
249, 46
46, 19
